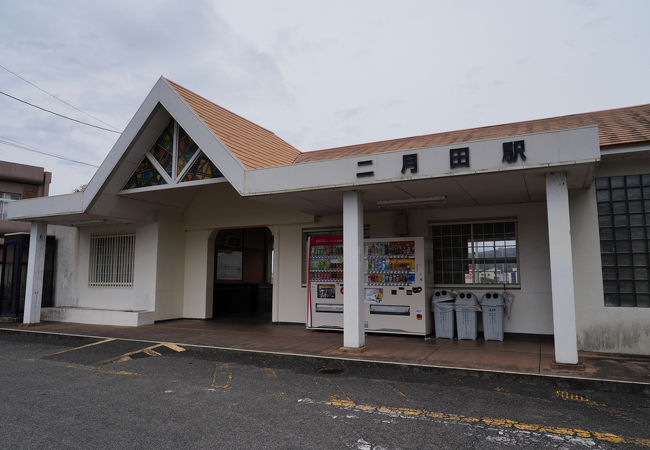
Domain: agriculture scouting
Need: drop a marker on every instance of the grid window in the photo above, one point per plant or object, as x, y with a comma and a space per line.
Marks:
5, 199
624, 224
112, 260
475, 253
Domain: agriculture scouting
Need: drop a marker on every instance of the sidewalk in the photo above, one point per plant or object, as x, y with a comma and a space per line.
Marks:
532, 355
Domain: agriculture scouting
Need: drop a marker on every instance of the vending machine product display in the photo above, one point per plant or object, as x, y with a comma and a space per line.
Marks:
325, 282
397, 283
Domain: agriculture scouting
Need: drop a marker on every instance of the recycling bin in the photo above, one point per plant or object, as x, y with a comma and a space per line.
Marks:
493, 305
442, 304
466, 306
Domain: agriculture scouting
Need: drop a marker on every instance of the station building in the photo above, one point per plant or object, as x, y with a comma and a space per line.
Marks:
197, 212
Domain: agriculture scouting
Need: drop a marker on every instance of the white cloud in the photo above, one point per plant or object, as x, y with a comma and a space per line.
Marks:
318, 73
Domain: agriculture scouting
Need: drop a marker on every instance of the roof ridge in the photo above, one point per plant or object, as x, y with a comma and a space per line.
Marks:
226, 109
566, 116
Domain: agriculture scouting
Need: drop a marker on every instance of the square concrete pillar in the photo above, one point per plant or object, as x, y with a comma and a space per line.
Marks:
353, 313
562, 290
35, 268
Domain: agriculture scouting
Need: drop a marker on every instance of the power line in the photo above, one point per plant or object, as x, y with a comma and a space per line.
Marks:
54, 96
13, 143
57, 114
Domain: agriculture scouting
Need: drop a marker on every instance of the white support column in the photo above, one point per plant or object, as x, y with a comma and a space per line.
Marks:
35, 268
562, 291
354, 336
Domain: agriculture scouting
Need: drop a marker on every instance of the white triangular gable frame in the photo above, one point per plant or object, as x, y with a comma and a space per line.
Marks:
165, 95
175, 179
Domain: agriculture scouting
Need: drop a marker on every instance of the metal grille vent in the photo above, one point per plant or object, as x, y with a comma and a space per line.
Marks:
112, 260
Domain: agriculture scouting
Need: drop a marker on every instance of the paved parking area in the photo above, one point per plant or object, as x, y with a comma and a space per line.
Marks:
516, 354
66, 392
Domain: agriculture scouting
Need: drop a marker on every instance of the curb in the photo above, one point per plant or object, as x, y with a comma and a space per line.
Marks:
380, 369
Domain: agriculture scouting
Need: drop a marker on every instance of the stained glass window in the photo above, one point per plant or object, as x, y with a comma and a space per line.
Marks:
145, 175
186, 149
163, 149
202, 169
163, 152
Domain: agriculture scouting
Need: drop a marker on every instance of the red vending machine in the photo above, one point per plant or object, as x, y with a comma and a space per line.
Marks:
325, 282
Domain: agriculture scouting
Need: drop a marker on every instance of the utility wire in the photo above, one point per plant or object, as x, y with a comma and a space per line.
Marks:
57, 114
54, 96
13, 143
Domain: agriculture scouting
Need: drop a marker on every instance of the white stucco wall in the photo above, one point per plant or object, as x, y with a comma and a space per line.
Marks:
601, 328
170, 267
65, 264
139, 297
197, 292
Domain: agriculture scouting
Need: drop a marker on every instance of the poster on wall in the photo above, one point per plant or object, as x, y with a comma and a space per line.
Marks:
229, 265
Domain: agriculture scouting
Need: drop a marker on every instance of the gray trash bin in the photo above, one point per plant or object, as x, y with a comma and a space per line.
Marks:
493, 304
442, 304
466, 306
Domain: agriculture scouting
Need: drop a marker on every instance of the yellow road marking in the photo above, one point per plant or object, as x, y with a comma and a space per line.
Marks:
396, 390
175, 347
100, 370
576, 398
270, 373
84, 346
497, 422
221, 368
347, 397
147, 350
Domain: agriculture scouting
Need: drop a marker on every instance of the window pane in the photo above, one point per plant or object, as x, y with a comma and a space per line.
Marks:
477, 253
635, 207
611, 300
606, 233
643, 301
627, 300
603, 196
640, 260
617, 182
624, 259
603, 183
608, 259
623, 246
633, 193
637, 233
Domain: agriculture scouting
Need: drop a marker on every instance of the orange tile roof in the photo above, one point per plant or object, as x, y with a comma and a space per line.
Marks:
257, 147
254, 146
616, 127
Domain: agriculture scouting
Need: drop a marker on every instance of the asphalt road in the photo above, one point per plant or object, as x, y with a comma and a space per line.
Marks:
88, 393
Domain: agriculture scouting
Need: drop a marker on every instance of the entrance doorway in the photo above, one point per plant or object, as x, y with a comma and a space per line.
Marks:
13, 275
242, 273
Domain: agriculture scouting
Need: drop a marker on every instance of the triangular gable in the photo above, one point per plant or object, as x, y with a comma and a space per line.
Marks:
174, 159
201, 153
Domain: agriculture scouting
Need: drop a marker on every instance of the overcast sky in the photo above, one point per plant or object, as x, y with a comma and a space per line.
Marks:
317, 73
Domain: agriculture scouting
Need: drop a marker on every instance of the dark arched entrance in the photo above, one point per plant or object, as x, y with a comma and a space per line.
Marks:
242, 273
